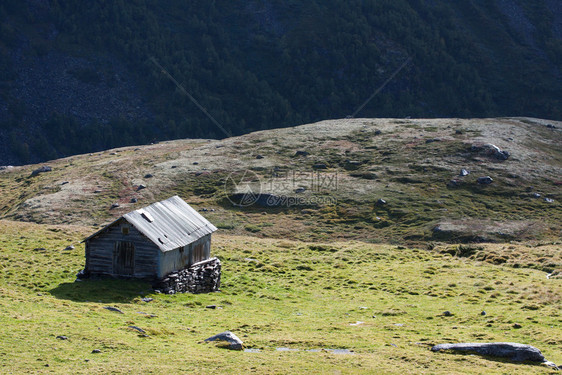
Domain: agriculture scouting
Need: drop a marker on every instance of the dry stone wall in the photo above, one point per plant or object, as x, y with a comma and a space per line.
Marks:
202, 277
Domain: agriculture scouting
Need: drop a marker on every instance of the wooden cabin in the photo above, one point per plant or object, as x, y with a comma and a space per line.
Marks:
151, 242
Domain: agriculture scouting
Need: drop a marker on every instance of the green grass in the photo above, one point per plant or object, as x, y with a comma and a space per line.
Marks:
274, 294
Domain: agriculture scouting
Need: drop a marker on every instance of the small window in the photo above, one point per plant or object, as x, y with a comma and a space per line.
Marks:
125, 230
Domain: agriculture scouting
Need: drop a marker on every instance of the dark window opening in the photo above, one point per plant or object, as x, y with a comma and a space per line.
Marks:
125, 230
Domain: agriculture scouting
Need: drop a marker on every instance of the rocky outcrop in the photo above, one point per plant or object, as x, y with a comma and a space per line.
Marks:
489, 150
509, 350
42, 169
202, 277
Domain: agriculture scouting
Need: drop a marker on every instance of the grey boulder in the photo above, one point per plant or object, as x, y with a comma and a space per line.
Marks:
509, 350
486, 180
230, 339
42, 169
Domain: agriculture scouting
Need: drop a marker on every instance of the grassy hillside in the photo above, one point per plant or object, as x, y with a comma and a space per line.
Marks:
77, 77
327, 266
383, 303
408, 163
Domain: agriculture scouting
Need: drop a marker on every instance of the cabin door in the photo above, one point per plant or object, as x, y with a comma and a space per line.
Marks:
124, 259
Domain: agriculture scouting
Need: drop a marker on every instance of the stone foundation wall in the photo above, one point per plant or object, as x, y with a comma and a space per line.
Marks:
202, 277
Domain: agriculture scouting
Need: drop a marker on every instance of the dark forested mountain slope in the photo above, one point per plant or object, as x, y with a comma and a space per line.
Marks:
78, 76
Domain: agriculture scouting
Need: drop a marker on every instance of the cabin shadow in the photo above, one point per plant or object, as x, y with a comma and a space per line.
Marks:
103, 290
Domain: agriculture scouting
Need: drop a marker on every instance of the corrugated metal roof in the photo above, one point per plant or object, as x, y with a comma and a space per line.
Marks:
169, 224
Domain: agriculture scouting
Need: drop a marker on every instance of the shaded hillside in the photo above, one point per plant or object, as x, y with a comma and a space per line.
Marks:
377, 180
77, 77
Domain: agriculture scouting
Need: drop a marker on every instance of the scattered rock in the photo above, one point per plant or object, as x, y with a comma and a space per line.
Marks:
195, 163
549, 200
114, 309
134, 200
300, 190
229, 338
536, 195
301, 153
39, 249
211, 306
147, 315
114, 205
138, 329
378, 132
6, 167
259, 156
364, 175
148, 175
319, 166
464, 172
64, 182
447, 313
381, 202
147, 299
95, 351
62, 337
97, 191
483, 312
69, 247
510, 350
42, 169
81, 275
433, 140
490, 150
550, 126
517, 326
141, 186
486, 180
